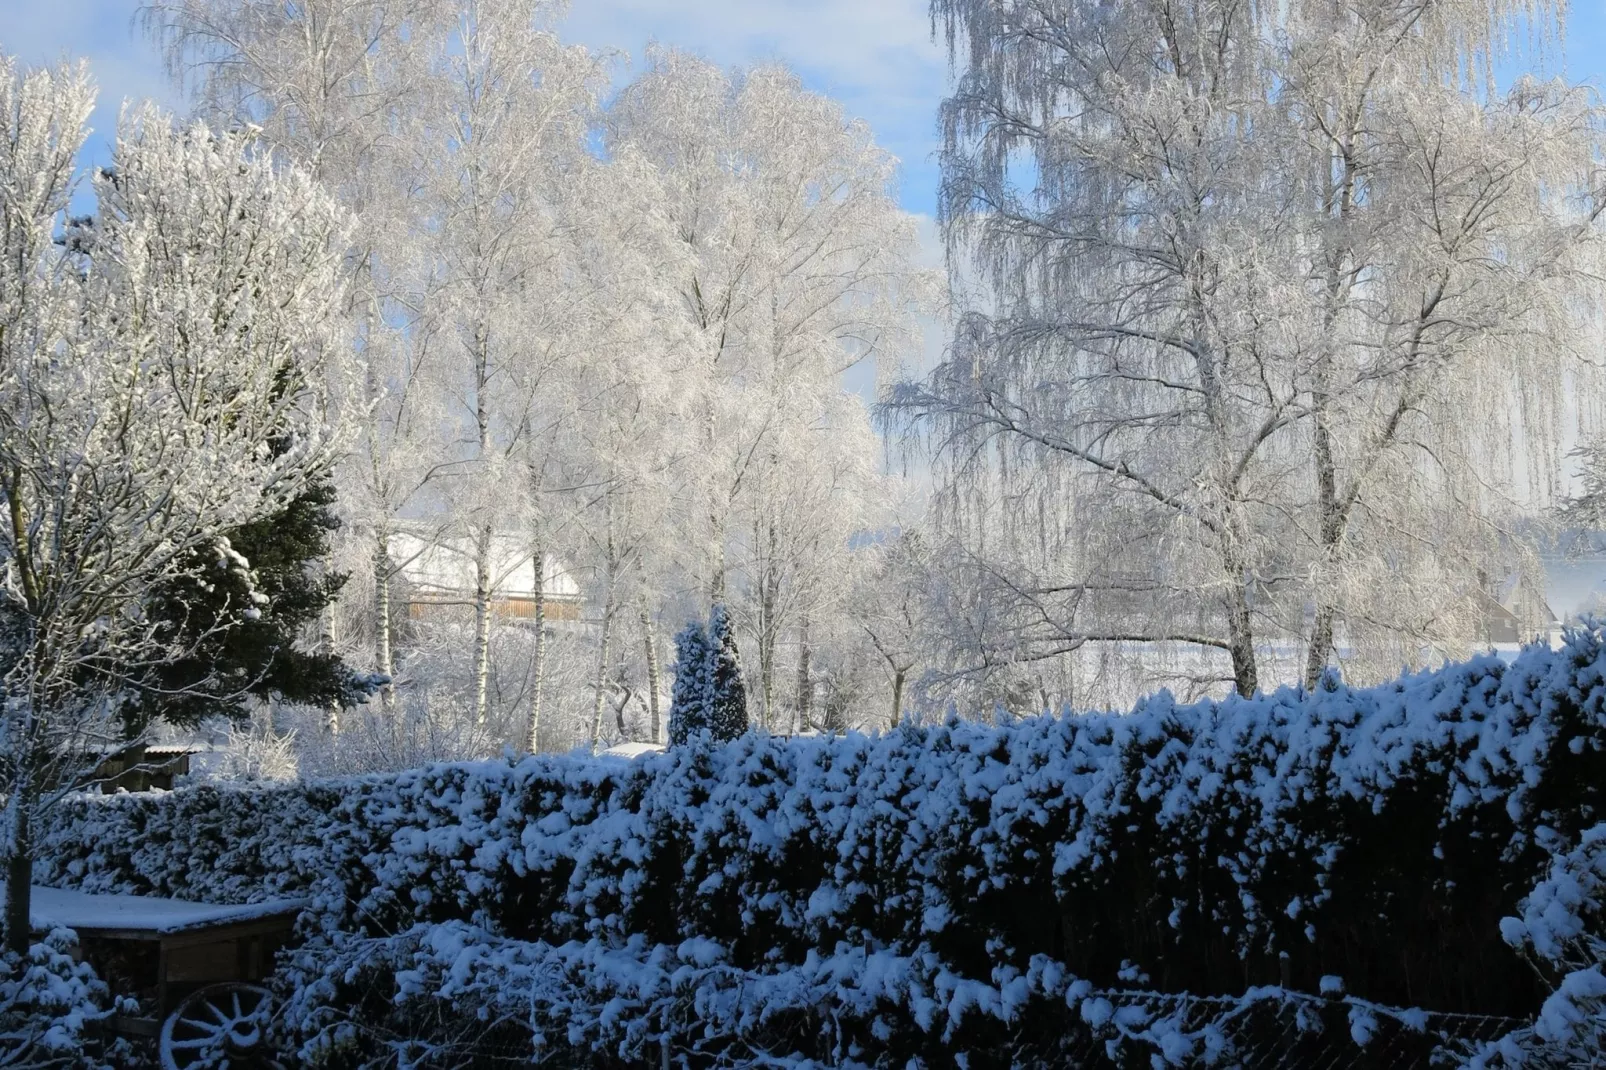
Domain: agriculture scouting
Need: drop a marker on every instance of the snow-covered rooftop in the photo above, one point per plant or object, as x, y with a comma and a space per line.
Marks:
86, 912
631, 751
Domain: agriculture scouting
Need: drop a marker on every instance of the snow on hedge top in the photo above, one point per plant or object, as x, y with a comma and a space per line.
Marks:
87, 913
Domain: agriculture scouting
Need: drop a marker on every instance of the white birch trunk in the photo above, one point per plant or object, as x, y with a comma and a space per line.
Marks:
482, 622
805, 678
650, 642
604, 651
383, 658
538, 655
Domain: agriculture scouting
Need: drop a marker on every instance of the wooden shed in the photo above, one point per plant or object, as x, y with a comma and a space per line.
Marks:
143, 766
161, 950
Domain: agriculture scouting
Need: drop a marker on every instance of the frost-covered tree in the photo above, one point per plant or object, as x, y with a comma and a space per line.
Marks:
454, 131
163, 380
504, 119
813, 496
334, 84
893, 608
796, 264
1270, 315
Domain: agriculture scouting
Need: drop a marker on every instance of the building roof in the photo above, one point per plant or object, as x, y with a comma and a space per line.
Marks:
442, 566
86, 912
631, 751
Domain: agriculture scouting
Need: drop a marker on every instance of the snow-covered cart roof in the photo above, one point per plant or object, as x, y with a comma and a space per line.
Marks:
147, 917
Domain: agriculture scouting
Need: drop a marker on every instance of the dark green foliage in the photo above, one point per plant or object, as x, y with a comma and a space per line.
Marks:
708, 694
728, 717
691, 701
226, 658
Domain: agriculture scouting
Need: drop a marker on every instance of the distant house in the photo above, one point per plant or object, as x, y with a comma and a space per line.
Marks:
1515, 611
439, 573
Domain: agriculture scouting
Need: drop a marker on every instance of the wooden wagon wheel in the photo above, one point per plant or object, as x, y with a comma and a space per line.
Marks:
220, 1027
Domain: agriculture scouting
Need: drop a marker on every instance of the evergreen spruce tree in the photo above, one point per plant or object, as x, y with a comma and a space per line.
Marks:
256, 656
692, 702
728, 715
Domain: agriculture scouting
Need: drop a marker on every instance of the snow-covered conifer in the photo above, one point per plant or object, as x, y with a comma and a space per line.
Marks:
692, 703
728, 712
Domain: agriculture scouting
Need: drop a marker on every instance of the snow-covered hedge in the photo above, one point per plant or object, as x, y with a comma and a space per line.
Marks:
229, 844
1378, 836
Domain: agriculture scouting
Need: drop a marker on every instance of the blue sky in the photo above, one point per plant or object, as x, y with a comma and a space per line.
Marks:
876, 56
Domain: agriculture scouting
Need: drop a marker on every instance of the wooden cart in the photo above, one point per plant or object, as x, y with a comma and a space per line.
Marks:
198, 966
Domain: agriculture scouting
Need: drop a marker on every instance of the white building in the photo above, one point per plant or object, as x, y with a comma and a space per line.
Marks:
439, 572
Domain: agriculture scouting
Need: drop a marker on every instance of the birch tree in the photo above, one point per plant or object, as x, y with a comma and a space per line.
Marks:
1237, 277
505, 120
814, 492
798, 262
163, 378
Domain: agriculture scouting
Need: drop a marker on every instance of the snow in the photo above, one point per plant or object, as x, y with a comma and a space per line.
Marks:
615, 895
631, 751
85, 912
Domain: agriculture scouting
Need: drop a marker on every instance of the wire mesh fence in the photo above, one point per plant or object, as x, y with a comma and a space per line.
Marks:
1277, 1030
1270, 1029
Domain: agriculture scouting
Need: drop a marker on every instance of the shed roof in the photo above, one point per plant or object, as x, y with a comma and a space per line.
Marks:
87, 912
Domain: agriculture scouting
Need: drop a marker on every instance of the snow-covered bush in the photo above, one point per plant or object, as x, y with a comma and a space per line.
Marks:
225, 843
1562, 931
50, 1006
1359, 841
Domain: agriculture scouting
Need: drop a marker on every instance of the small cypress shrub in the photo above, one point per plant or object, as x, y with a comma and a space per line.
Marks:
728, 717
708, 693
692, 702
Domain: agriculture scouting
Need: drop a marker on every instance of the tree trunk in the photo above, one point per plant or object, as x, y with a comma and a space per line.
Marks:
326, 647
805, 679
19, 880
897, 696
716, 581
482, 622
538, 655
766, 653
1332, 535
1241, 639
482, 551
606, 639
385, 666
651, 643
603, 653
625, 695
769, 590
1332, 521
